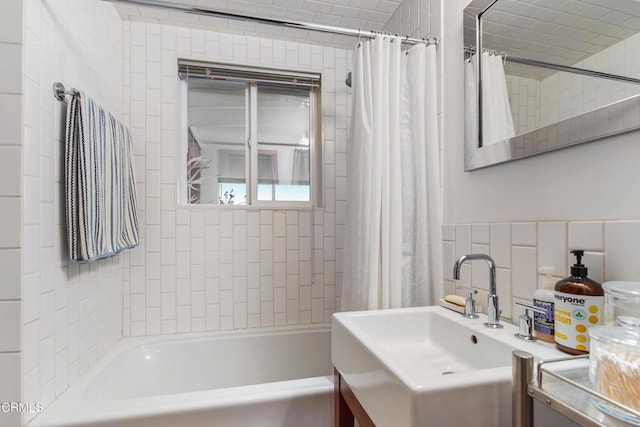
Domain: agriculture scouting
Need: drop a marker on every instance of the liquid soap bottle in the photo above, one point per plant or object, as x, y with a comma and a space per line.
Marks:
544, 298
579, 304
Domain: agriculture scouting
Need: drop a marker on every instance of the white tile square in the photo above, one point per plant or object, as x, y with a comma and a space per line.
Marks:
279, 249
500, 246
595, 265
448, 259
11, 82
11, 377
266, 217
212, 317
279, 224
293, 312
503, 284
463, 240
239, 263
9, 233
183, 321
61, 368
266, 313
31, 345
10, 119
153, 321
253, 224
552, 247
304, 224
240, 315
11, 274
292, 236
588, 236
197, 304
523, 234
138, 309
239, 237
253, 249
621, 241
226, 224
524, 272
240, 217
168, 307
266, 236
10, 170
11, 12
10, 321
480, 233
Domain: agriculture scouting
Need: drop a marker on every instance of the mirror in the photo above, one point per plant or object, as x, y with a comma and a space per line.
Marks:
571, 75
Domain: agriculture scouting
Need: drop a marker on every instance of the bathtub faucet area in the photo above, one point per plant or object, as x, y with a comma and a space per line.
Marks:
493, 309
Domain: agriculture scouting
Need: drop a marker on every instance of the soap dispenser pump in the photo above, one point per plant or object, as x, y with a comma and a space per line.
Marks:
579, 304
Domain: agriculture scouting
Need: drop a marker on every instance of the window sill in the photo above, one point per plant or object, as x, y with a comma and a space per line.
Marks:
270, 207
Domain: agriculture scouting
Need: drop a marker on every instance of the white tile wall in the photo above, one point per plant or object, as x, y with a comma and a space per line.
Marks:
610, 254
415, 18
11, 96
524, 99
536, 103
209, 268
72, 314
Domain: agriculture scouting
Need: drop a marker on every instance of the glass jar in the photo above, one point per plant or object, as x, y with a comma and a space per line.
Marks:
622, 303
614, 368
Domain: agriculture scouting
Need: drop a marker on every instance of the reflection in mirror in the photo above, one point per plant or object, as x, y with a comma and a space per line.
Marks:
568, 65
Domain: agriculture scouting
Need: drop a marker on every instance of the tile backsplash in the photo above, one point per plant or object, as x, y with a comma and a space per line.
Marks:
207, 267
520, 249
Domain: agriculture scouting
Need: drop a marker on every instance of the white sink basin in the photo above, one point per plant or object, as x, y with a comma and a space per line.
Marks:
428, 366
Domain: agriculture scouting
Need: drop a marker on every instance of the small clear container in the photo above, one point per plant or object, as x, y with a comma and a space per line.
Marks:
614, 369
622, 303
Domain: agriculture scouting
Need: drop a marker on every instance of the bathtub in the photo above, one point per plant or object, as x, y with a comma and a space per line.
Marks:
277, 377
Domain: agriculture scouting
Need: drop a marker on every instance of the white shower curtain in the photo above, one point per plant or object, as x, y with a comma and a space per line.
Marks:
497, 121
393, 245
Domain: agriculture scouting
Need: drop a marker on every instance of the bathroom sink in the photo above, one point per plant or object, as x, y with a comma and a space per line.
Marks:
428, 366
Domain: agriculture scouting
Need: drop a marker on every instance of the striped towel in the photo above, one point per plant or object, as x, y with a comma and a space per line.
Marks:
100, 185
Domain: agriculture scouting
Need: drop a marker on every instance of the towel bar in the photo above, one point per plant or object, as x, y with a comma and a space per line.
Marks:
59, 91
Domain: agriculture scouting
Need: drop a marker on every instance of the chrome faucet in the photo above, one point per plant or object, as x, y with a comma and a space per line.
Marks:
493, 310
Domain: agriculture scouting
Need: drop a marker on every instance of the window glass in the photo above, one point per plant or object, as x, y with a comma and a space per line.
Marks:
284, 161
216, 156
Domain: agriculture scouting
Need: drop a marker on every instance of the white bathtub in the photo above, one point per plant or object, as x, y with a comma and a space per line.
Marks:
278, 377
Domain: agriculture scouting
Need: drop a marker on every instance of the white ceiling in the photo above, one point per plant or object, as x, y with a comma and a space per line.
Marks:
356, 14
557, 31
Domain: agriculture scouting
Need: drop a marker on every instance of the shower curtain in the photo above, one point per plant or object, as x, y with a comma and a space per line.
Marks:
497, 121
393, 245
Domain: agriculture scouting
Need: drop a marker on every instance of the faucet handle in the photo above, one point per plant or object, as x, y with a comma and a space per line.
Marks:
526, 322
470, 291
470, 304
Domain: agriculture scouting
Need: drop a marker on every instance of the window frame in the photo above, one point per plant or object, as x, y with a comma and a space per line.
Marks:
252, 77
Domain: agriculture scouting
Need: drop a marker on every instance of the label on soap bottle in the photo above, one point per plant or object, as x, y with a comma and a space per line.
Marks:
543, 323
574, 315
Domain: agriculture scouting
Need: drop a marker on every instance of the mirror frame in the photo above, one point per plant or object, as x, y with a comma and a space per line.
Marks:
616, 118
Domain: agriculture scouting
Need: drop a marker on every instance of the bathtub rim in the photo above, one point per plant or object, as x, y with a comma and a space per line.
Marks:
74, 399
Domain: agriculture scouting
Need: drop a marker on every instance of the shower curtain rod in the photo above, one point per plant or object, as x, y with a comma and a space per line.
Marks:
557, 67
574, 70
196, 10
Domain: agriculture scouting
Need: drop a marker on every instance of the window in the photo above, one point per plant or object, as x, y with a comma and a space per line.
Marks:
252, 136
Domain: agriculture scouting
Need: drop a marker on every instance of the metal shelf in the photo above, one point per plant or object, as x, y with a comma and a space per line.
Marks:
563, 385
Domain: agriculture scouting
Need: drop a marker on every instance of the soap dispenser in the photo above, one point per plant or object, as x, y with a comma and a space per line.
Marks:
579, 305
543, 298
